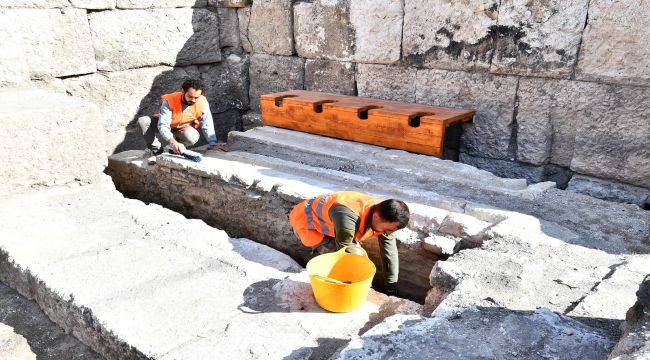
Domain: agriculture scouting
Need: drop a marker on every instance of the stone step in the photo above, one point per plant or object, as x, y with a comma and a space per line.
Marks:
616, 228
139, 281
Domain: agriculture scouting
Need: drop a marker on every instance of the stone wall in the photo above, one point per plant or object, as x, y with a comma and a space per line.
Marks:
560, 87
123, 54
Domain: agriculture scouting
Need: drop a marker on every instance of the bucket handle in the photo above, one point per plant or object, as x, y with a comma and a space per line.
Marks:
356, 247
330, 280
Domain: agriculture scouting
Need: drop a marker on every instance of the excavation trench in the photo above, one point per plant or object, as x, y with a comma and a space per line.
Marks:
244, 205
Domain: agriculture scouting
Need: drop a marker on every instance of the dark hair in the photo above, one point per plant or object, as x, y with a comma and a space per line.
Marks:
194, 83
392, 210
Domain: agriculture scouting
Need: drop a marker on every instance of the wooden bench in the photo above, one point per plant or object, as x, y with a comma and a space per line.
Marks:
392, 124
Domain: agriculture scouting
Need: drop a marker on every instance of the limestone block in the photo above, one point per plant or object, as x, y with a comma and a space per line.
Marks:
449, 35
123, 96
496, 334
323, 30
635, 342
228, 28
505, 168
491, 96
59, 141
54, 42
538, 38
244, 17
146, 4
377, 28
43, 4
227, 83
609, 190
615, 46
439, 245
462, 226
94, 4
330, 76
611, 141
268, 27
191, 36
14, 346
14, 70
387, 82
270, 74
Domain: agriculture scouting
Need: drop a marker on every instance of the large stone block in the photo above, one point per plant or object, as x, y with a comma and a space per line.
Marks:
609, 190
538, 38
273, 74
611, 141
57, 140
449, 35
164, 37
229, 29
615, 45
549, 112
330, 76
146, 4
505, 168
42, 4
323, 30
54, 42
227, 83
492, 97
94, 4
387, 82
14, 70
244, 17
268, 27
377, 30
123, 96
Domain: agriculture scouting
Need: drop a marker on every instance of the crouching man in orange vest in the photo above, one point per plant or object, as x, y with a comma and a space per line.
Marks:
329, 222
182, 115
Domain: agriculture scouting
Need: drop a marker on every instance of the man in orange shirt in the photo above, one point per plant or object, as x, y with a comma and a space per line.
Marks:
329, 222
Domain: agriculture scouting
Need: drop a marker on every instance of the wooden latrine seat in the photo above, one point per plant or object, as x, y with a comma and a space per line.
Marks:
392, 124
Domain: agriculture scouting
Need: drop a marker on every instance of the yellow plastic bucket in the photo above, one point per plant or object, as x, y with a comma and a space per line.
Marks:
341, 281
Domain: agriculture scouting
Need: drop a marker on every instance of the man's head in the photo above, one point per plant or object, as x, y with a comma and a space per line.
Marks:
389, 215
192, 90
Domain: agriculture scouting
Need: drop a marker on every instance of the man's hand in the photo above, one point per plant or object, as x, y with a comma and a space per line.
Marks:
216, 147
176, 146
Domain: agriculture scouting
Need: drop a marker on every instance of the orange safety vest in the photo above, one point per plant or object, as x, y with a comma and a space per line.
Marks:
192, 114
311, 221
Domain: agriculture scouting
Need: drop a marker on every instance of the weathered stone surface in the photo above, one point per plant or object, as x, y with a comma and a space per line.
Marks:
330, 76
609, 190
449, 35
463, 226
251, 120
54, 42
377, 28
191, 37
322, 30
146, 4
528, 264
123, 96
635, 342
495, 334
34, 3
227, 83
226, 122
107, 270
14, 346
538, 38
14, 70
60, 140
615, 46
611, 141
268, 27
386, 82
47, 340
439, 245
505, 168
272, 74
491, 96
244, 17
229, 29
94, 4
